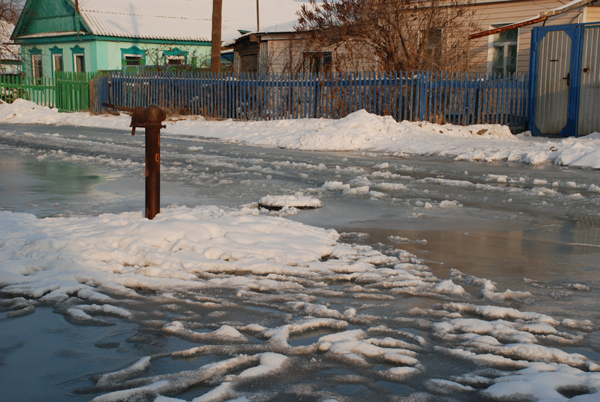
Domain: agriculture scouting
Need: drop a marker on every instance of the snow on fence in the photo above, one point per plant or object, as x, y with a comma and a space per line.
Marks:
440, 97
69, 92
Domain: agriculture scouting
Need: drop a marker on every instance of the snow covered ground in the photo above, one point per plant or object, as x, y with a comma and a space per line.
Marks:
267, 308
198, 265
358, 131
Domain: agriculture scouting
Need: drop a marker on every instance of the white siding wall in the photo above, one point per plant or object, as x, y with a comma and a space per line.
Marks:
511, 12
592, 14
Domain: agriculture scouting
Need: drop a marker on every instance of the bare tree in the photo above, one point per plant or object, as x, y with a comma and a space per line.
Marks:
391, 35
10, 10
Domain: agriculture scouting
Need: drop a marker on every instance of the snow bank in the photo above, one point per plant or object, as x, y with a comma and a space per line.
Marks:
547, 382
289, 201
76, 256
358, 131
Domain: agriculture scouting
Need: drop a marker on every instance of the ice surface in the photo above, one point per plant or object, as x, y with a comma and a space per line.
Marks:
343, 314
191, 249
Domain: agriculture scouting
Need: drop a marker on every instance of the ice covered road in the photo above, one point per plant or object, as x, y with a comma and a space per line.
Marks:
418, 279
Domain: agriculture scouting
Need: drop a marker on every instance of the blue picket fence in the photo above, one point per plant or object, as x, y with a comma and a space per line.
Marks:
439, 97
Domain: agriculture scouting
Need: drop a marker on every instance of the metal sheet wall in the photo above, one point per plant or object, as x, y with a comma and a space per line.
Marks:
552, 91
589, 95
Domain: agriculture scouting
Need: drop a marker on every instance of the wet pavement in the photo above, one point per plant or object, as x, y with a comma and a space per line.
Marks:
526, 228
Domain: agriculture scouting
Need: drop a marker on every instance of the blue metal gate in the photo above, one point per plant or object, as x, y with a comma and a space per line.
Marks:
565, 77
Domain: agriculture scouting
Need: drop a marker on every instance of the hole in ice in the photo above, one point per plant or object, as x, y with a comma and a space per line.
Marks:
145, 291
310, 337
571, 391
107, 345
396, 388
350, 390
325, 258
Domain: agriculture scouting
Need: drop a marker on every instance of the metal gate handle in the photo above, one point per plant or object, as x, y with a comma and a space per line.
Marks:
568, 78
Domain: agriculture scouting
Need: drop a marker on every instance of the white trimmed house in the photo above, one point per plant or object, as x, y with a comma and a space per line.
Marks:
96, 35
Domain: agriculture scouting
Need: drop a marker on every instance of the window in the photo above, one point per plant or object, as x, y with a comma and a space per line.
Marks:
79, 63
504, 51
249, 63
132, 60
57, 61
175, 60
317, 62
431, 40
175, 57
36, 67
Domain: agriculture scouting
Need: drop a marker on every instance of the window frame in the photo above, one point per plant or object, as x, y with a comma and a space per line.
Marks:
37, 73
323, 60
133, 52
175, 54
494, 44
175, 60
55, 53
433, 40
35, 54
77, 52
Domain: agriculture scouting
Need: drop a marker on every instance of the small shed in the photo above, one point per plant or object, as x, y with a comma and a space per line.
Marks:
565, 80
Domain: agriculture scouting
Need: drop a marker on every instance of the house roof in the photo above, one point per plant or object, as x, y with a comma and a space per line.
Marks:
179, 20
184, 20
282, 28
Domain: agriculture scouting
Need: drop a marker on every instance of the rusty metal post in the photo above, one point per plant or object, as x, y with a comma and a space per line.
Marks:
154, 117
151, 119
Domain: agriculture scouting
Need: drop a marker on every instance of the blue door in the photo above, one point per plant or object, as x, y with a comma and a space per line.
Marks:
554, 68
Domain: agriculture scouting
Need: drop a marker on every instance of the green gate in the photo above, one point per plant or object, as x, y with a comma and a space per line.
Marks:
73, 91
69, 92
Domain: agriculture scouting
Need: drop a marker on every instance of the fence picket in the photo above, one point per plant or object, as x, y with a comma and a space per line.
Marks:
441, 97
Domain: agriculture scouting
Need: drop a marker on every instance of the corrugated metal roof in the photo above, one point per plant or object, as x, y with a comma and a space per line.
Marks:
186, 20
180, 19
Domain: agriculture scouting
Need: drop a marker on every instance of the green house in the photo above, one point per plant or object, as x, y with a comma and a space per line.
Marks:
103, 35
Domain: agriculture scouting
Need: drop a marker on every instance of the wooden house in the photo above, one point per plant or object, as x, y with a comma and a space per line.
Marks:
282, 49
96, 35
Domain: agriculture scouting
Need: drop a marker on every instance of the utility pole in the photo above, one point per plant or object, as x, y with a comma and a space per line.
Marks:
217, 22
257, 17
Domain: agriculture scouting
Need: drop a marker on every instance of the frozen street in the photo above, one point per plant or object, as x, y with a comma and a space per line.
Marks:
421, 278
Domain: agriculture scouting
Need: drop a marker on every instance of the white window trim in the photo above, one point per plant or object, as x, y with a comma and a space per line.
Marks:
182, 58
75, 62
33, 69
490, 53
54, 56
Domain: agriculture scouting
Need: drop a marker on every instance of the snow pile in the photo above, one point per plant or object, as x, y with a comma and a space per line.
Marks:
547, 382
27, 112
66, 256
200, 264
358, 131
289, 201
